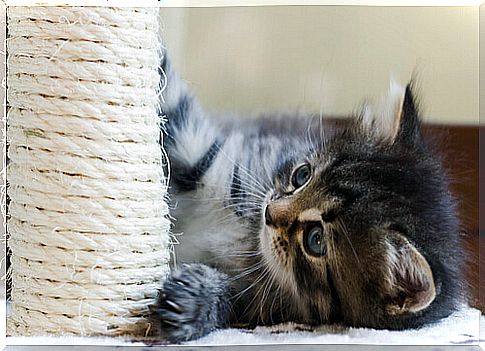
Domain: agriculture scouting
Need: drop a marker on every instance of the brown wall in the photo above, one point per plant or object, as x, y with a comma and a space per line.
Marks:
460, 149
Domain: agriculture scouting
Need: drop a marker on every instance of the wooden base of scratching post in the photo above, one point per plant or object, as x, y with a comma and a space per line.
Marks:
87, 227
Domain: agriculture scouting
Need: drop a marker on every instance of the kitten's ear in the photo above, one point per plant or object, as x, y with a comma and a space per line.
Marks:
411, 286
397, 119
406, 126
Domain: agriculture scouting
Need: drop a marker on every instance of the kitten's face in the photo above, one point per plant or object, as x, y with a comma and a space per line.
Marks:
346, 227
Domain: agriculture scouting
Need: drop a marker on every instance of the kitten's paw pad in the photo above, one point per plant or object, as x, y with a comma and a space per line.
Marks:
192, 303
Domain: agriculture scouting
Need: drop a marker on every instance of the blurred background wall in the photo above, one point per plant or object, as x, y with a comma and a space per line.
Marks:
327, 58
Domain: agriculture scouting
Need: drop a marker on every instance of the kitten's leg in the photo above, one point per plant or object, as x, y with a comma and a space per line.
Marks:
193, 302
192, 140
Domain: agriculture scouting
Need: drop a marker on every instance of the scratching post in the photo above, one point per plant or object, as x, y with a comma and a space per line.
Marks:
87, 218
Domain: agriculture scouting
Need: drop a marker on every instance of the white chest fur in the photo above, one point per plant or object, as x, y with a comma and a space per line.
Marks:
206, 231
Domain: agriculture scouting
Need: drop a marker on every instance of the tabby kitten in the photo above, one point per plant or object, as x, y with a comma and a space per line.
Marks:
289, 219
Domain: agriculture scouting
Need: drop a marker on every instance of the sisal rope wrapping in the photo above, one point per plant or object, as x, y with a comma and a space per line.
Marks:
88, 220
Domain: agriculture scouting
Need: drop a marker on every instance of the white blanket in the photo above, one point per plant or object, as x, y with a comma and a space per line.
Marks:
461, 328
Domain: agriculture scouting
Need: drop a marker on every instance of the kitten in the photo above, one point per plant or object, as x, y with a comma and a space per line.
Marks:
290, 219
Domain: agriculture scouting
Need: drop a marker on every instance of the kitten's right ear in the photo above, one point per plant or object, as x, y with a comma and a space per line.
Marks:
397, 119
407, 124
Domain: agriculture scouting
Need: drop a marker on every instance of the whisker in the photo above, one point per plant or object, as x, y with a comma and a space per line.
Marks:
259, 186
266, 293
234, 207
241, 293
253, 192
258, 194
265, 273
276, 295
244, 254
211, 199
344, 230
246, 272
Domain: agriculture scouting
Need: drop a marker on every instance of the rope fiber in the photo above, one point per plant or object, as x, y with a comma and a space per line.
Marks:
87, 221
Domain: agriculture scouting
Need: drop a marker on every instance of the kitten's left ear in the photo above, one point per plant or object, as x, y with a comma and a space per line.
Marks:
410, 280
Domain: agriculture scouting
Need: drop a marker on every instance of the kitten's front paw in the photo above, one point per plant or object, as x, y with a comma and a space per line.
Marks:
192, 303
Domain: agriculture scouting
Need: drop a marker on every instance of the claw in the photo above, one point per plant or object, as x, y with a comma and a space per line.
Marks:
174, 306
170, 323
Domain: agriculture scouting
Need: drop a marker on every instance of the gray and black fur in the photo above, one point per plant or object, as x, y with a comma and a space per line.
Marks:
380, 198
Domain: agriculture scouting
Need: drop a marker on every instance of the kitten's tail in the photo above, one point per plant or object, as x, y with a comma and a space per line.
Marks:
191, 136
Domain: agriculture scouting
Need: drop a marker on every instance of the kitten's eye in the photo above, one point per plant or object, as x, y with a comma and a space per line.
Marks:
314, 243
301, 175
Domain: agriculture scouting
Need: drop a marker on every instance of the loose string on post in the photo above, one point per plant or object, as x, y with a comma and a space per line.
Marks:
88, 223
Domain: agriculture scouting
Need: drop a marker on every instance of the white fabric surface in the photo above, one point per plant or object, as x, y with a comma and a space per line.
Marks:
461, 328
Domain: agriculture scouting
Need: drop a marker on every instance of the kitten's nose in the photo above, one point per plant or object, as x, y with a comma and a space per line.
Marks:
278, 214
267, 216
